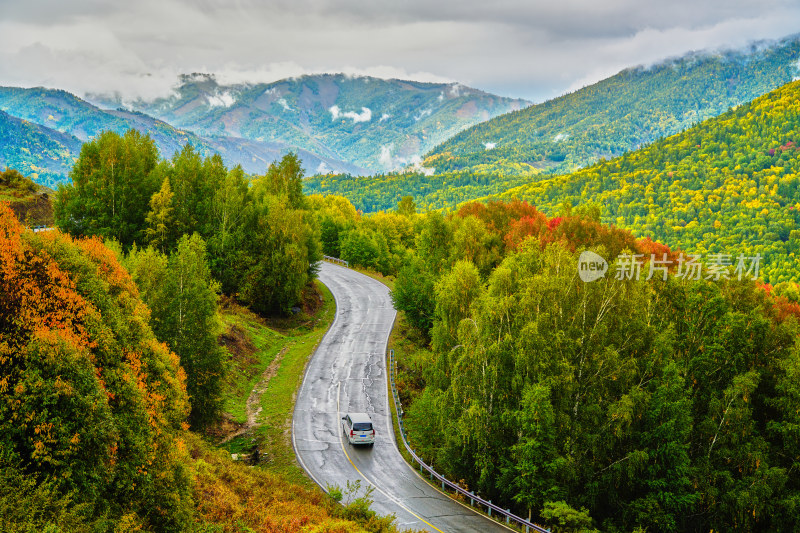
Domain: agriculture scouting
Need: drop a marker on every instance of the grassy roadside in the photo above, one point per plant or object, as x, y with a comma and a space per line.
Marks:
386, 280
279, 347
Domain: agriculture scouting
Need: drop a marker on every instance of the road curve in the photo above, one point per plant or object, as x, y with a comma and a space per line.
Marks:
348, 373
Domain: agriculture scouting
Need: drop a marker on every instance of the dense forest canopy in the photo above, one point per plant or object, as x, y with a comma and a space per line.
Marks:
660, 404
729, 185
92, 403
109, 348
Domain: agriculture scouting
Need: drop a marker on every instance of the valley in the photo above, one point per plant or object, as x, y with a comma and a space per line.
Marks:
179, 319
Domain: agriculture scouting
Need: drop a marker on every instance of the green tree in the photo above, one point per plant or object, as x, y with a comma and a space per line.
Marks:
280, 256
233, 211
112, 183
455, 293
183, 301
413, 294
406, 206
159, 220
284, 179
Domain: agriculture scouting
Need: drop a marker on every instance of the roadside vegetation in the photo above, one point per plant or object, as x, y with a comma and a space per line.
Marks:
621, 404
170, 327
168, 321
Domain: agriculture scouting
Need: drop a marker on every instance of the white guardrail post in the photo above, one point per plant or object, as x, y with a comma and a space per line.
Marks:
473, 498
336, 260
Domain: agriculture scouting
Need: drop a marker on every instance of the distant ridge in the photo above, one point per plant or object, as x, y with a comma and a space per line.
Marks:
630, 109
377, 124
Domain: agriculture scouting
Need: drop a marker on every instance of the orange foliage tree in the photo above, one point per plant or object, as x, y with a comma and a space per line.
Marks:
89, 399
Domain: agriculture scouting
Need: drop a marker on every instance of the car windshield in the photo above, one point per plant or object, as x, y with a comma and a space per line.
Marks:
362, 426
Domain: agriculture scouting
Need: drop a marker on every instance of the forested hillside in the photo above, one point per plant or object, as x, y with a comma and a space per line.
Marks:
94, 405
729, 185
110, 366
647, 400
53, 118
633, 108
42, 153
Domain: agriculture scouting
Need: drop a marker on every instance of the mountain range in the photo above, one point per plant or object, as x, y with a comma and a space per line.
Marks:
630, 109
335, 123
376, 124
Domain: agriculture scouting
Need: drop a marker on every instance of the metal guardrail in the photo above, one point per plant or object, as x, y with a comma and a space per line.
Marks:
336, 260
473, 498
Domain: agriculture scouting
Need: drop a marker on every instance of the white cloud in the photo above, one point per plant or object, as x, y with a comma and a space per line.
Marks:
561, 137
384, 117
225, 99
282, 102
489, 146
415, 165
454, 91
385, 159
422, 114
393, 162
322, 168
364, 116
533, 49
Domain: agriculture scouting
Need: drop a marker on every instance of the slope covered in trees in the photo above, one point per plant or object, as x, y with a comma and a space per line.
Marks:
621, 113
92, 403
93, 407
42, 153
30, 202
729, 185
51, 118
644, 400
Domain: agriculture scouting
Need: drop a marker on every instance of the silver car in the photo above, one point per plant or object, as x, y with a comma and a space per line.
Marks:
358, 428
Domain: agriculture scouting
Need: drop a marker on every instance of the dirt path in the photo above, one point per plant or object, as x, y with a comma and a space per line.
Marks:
253, 405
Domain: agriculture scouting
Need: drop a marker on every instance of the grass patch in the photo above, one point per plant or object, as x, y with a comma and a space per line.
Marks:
277, 403
386, 280
253, 347
254, 343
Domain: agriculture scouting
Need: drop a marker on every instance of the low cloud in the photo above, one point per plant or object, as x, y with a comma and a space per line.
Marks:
282, 102
489, 146
454, 91
424, 113
364, 116
415, 165
385, 117
392, 162
225, 99
385, 159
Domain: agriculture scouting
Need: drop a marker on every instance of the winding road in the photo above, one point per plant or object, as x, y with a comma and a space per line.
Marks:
348, 373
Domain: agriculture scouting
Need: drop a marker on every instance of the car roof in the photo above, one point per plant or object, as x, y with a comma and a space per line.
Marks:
359, 417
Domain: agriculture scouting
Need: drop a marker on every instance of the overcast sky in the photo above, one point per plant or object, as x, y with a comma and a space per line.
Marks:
535, 49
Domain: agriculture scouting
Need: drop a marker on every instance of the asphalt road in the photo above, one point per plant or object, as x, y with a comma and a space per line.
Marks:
348, 373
